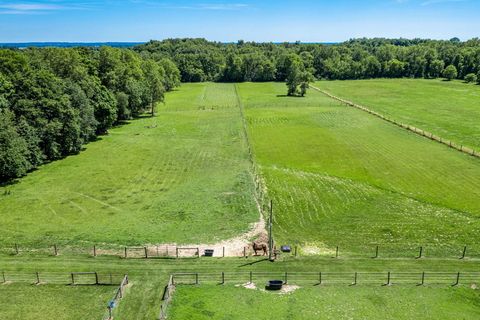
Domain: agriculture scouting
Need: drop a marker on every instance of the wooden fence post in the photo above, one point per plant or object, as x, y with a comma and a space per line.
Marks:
55, 250
94, 251
295, 251
388, 279
73, 278
457, 282
319, 278
223, 277
223, 252
376, 253
336, 253
196, 278
146, 252
96, 278
286, 278
125, 252
420, 254
16, 248
3, 277
176, 252
251, 277
355, 279
423, 279
464, 253
38, 277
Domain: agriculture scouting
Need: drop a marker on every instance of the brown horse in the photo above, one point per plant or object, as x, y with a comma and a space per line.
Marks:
259, 247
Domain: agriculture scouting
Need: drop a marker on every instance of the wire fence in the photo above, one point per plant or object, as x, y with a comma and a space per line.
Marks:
413, 129
167, 297
380, 251
386, 278
61, 278
113, 303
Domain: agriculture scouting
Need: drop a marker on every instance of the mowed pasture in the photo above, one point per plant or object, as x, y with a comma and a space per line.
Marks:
148, 277
62, 302
361, 302
341, 177
179, 177
449, 109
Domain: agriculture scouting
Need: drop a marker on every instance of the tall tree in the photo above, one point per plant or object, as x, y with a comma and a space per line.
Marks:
153, 83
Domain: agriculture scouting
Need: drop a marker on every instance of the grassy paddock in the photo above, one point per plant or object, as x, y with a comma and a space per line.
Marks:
448, 109
229, 302
148, 277
181, 176
29, 302
341, 177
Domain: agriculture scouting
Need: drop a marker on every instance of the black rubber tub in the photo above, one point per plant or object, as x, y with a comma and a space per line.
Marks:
274, 285
208, 253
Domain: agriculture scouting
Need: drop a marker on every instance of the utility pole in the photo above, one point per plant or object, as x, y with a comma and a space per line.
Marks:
270, 236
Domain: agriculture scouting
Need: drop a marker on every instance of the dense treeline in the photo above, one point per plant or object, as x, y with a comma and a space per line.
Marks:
53, 101
200, 60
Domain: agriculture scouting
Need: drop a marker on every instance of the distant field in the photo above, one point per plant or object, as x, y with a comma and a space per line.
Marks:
399, 303
448, 109
339, 176
30, 302
182, 176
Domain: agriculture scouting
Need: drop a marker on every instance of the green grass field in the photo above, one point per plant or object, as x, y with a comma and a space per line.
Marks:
148, 277
182, 176
229, 302
339, 176
449, 109
31, 302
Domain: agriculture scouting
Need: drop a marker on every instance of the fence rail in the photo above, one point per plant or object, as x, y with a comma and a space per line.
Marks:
167, 297
113, 303
330, 278
381, 251
413, 129
64, 278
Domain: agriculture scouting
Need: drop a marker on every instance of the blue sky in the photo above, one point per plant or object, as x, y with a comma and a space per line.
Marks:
265, 20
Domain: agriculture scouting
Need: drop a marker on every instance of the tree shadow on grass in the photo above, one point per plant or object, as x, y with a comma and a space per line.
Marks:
287, 96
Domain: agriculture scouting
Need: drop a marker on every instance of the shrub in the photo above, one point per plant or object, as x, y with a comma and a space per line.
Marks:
450, 72
471, 78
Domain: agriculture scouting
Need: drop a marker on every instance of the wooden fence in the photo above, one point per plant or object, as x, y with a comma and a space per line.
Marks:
167, 297
113, 303
408, 127
386, 278
61, 278
383, 251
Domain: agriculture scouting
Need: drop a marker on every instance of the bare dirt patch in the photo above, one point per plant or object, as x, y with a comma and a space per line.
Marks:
233, 247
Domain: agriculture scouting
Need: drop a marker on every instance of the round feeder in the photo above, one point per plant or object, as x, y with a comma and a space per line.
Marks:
274, 285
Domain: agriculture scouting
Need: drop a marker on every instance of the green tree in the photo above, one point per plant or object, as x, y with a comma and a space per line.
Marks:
13, 149
298, 77
450, 72
436, 68
153, 83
